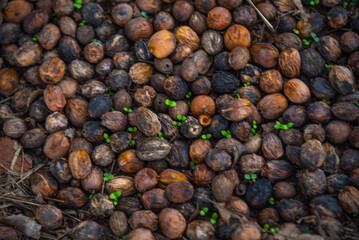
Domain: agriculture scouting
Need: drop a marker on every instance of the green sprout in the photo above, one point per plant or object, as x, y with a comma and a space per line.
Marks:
82, 23
296, 31
170, 103
356, 103
189, 104
188, 95
356, 214
314, 2
214, 218
314, 36
252, 177
236, 92
144, 14
307, 230
110, 94
266, 228
181, 118
274, 230
96, 41
326, 101
247, 84
193, 165
129, 110
177, 123
206, 136
345, 5
132, 142
160, 135
166, 159
108, 176
92, 193
279, 125
107, 138
132, 129
271, 201
167, 75
327, 66
112, 109
204, 211
115, 196
306, 42
36, 37
78, 4
227, 134
123, 238
139, 195
254, 123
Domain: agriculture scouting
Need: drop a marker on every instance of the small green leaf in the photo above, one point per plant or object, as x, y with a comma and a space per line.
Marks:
139, 195
214, 215
247, 176
193, 165
224, 133
105, 135
290, 124
204, 137
115, 202
357, 103
168, 102
271, 201
296, 31
144, 14
108, 140
266, 226
213, 221
205, 209
132, 142
179, 117
113, 196
118, 194
167, 75
82, 23
208, 135
173, 104
202, 213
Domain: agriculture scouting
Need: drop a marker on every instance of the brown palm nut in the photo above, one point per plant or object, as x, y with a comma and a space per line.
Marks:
140, 73
264, 54
69, 86
289, 62
237, 35
198, 22
138, 28
203, 105
155, 200
118, 224
338, 131
348, 198
172, 223
93, 181
140, 233
49, 216
71, 197
271, 81
296, 91
203, 175
145, 179
218, 160
349, 41
149, 6
16, 11
9, 80
122, 13
129, 162
288, 40
76, 111
319, 112
54, 98
147, 122
219, 18
144, 219
329, 48
28, 54
198, 229
269, 216
245, 15
169, 176
179, 192
93, 52
56, 145
49, 36
238, 205
341, 79
268, 10
246, 231
222, 188
145, 96
337, 17
189, 70
80, 164
101, 206
251, 163
68, 26
182, 10
121, 183
234, 109
230, 4
43, 184
272, 106
239, 57
35, 21
284, 190
204, 5
14, 127
198, 150
186, 35
272, 147
312, 184
52, 70
162, 43
163, 21
62, 7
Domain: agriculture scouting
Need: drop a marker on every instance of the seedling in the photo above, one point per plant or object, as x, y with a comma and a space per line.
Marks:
314, 2
307, 230
107, 138
206, 136
214, 218
204, 211
92, 193
82, 23
314, 36
167, 75
236, 92
189, 104
115, 196
327, 66
193, 165
123, 238
96, 41
247, 84
357, 103
266, 228
227, 134
108, 177
326, 101
78, 4
112, 109
132, 129
36, 37
132, 142
181, 118
170, 103
306, 42
188, 95
252, 177
110, 94
166, 158
279, 125
177, 123
274, 230
144, 14
139, 195
345, 5
160, 135
271, 201
129, 110
254, 123
356, 214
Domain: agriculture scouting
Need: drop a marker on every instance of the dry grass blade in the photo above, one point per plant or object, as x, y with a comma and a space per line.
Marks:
269, 25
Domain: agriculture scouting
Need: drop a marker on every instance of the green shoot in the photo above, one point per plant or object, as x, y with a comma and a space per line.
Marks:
132, 142
266, 228
129, 110
271, 201
123, 238
160, 135
166, 158
193, 165
78, 4
247, 84
167, 75
279, 125
178, 124
357, 103
110, 94
108, 177
345, 5
296, 31
356, 214
274, 230
96, 41
92, 193
112, 109
250, 177
115, 196
181, 118
327, 66
214, 218
144, 14
107, 138
188, 95
326, 101
314, 36
206, 136
170, 103
82, 23
236, 92
36, 37
314, 2
189, 104
307, 230
204, 211
306, 42
132, 129
227, 134
254, 123
139, 195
